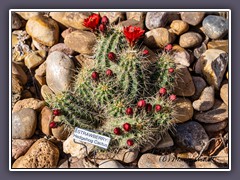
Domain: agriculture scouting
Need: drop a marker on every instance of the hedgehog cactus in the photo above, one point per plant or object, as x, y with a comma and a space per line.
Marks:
119, 94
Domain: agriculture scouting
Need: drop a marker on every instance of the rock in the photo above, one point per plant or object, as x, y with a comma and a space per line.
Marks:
126, 156
183, 84
62, 131
71, 19
28, 15
46, 92
75, 163
155, 161
218, 113
218, 44
42, 154
131, 22
159, 37
156, 20
181, 56
40, 80
62, 48
183, 110
24, 123
20, 147
165, 142
39, 46
110, 164
16, 85
15, 40
42, 53
43, 29
26, 94
85, 62
81, 41
191, 136
172, 16
192, 18
16, 22
222, 156
190, 40
179, 27
33, 60
150, 145
67, 31
215, 27
114, 17
138, 16
213, 64
45, 118
198, 51
41, 70
206, 100
75, 149
199, 84
204, 164
59, 71
215, 127
33, 103
224, 93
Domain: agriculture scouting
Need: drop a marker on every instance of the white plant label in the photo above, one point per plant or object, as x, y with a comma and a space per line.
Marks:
83, 135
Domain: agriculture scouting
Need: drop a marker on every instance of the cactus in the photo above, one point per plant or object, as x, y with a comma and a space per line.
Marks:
119, 95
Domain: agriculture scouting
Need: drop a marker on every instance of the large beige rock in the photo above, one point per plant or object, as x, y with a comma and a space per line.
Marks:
42, 154
183, 110
33, 103
43, 29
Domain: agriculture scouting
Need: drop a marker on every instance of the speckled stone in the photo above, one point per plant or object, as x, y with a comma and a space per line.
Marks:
156, 19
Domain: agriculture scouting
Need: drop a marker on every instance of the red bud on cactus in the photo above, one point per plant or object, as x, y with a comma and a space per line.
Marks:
148, 107
172, 97
130, 142
111, 56
102, 27
56, 112
168, 47
171, 70
129, 111
109, 72
127, 127
158, 107
117, 131
141, 103
105, 20
145, 52
52, 124
95, 75
162, 91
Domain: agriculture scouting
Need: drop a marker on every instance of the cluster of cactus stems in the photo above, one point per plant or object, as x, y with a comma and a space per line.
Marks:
119, 95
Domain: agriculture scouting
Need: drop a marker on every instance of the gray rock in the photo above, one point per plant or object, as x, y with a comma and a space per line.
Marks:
198, 51
150, 145
59, 71
75, 163
164, 161
206, 100
192, 18
183, 84
218, 113
62, 48
215, 127
24, 123
165, 142
190, 40
191, 135
213, 64
215, 27
16, 22
199, 84
224, 93
110, 164
156, 19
